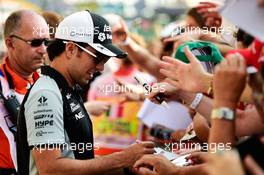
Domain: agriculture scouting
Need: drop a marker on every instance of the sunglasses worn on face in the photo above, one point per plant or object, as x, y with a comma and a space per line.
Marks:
98, 57
33, 42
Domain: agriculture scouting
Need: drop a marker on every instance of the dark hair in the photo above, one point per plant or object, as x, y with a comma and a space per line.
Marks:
244, 37
57, 47
196, 16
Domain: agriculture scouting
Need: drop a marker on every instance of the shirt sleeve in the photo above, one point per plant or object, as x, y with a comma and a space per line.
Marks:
44, 118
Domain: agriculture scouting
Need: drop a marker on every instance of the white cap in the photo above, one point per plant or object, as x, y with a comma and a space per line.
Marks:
90, 28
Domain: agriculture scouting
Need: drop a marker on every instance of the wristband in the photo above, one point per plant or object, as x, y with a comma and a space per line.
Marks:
196, 101
223, 113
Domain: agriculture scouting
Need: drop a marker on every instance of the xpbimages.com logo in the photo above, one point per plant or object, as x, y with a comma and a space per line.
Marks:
80, 31
120, 89
213, 31
80, 147
212, 147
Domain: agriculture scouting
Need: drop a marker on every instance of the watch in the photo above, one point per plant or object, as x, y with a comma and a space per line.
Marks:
223, 113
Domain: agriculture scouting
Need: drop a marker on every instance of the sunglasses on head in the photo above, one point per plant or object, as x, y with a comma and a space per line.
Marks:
33, 42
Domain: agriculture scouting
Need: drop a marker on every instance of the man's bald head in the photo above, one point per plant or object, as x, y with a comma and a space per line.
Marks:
15, 21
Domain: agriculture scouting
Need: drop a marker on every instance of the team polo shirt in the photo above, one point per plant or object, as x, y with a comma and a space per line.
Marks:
7, 140
52, 116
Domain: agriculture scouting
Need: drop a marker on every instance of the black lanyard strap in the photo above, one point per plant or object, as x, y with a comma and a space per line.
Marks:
9, 78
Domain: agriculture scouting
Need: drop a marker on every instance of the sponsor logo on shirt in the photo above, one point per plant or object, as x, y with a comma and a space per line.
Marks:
42, 101
79, 115
42, 116
74, 106
42, 133
43, 110
44, 123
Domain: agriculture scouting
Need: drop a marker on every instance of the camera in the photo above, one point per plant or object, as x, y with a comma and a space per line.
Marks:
12, 105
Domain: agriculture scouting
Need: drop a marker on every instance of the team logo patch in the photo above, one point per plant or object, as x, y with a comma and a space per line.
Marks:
101, 36
42, 101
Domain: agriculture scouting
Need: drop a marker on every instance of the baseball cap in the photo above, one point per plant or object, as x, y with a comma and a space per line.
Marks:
204, 51
90, 28
254, 55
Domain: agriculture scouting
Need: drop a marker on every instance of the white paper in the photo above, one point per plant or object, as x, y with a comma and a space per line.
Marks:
181, 161
247, 15
169, 155
176, 117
